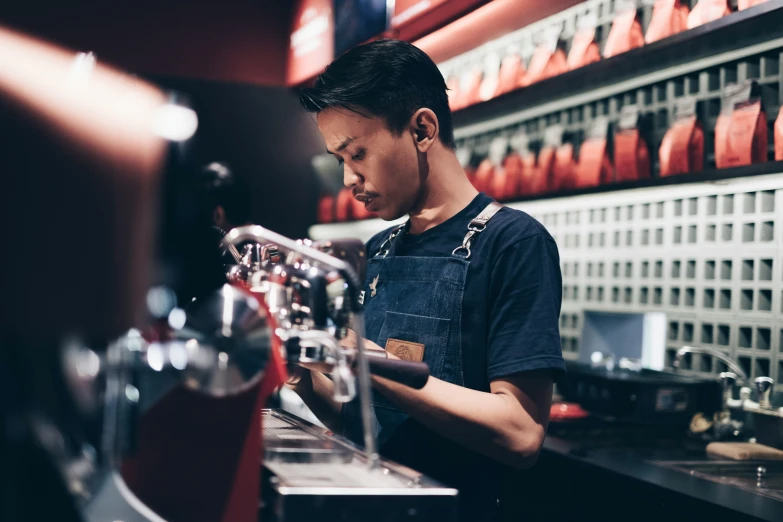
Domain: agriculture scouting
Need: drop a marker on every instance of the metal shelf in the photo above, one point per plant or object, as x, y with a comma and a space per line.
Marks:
760, 29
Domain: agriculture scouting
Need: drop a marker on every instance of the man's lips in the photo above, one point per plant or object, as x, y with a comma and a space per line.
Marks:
364, 197
367, 199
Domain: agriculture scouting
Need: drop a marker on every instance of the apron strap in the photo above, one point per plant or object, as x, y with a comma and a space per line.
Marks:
383, 251
476, 227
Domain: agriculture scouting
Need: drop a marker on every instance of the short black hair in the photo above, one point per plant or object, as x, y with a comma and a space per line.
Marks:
390, 79
226, 190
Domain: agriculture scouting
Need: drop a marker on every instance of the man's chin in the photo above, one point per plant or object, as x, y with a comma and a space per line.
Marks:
388, 215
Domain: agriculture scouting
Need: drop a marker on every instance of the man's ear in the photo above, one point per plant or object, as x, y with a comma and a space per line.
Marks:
424, 128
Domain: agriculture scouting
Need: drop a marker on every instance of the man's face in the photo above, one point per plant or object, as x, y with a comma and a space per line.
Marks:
380, 168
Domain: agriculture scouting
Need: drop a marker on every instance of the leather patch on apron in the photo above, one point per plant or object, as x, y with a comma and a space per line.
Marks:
405, 350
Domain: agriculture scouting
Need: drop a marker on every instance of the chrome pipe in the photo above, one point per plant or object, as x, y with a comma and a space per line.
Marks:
733, 366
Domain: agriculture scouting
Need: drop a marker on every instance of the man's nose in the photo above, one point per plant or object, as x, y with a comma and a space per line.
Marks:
350, 178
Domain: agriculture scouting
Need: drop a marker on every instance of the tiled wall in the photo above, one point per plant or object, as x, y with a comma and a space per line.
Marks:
709, 255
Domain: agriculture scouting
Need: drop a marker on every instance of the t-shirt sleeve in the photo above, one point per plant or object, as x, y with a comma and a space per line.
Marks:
524, 309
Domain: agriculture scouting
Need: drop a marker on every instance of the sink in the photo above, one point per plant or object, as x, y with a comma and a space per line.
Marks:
740, 474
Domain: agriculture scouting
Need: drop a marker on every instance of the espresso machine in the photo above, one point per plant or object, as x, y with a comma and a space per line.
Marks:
312, 291
219, 352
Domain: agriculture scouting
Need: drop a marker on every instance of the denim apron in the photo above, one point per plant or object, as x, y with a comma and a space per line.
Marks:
418, 300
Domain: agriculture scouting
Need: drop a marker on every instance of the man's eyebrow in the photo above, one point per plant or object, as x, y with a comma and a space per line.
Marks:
342, 146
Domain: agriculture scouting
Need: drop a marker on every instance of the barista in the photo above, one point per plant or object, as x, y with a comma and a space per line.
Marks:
227, 202
468, 286
228, 198
198, 207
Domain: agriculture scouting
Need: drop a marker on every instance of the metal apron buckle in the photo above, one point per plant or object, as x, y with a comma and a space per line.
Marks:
476, 226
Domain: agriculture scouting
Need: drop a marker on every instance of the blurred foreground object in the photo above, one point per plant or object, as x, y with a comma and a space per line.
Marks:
81, 155
193, 443
82, 149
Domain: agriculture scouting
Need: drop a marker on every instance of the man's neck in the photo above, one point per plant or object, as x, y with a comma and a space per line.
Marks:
446, 193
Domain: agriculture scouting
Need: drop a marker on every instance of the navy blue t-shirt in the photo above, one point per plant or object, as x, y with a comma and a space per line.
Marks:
513, 289
510, 324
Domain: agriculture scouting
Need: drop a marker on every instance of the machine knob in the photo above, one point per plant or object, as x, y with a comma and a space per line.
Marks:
729, 380
764, 387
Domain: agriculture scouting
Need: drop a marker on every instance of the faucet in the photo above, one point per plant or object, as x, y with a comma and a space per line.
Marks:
724, 426
728, 379
733, 366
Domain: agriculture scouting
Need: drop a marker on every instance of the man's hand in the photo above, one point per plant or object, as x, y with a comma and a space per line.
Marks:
317, 390
297, 376
350, 342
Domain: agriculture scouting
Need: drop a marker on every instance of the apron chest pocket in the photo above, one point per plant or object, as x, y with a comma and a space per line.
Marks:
432, 332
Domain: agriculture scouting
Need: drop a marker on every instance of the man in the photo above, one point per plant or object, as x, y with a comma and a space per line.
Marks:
226, 201
228, 198
471, 290
198, 207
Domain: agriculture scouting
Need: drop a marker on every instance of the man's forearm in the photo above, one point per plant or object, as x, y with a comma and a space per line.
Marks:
494, 424
316, 390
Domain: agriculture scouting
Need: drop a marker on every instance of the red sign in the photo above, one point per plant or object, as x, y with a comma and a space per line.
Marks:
311, 45
405, 10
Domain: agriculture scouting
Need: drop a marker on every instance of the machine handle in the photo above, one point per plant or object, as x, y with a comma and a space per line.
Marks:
412, 374
764, 386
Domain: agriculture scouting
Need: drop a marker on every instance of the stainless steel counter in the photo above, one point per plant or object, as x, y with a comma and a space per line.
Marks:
311, 472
